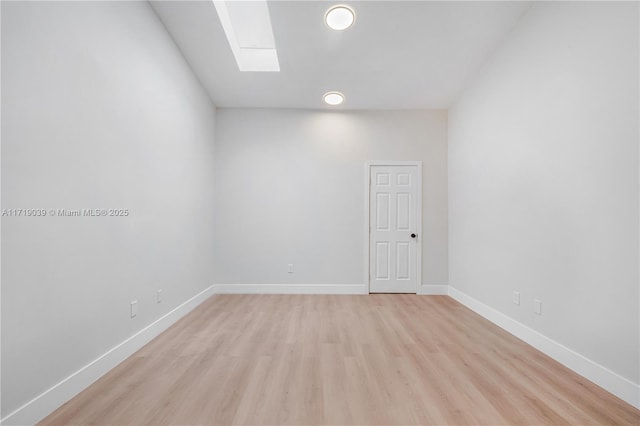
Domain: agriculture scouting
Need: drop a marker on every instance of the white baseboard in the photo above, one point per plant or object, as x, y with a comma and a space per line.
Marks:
433, 290
313, 289
47, 402
601, 376
290, 289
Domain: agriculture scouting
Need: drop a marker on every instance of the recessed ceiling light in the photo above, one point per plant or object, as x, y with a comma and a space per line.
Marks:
340, 17
333, 98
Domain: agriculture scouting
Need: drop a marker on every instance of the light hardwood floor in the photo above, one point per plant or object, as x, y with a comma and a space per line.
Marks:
341, 360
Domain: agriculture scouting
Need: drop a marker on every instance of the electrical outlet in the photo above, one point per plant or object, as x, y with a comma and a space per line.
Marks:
516, 297
159, 296
290, 268
134, 308
537, 306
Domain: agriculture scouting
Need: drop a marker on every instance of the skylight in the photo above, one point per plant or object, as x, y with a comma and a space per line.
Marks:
247, 25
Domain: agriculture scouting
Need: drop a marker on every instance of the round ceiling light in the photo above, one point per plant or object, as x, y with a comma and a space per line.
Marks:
333, 98
340, 17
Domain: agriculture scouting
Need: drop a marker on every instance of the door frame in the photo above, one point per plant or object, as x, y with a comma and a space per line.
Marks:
367, 219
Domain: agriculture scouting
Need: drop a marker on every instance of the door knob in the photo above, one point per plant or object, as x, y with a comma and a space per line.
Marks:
413, 235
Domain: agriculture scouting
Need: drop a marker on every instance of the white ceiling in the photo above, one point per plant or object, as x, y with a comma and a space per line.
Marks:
398, 55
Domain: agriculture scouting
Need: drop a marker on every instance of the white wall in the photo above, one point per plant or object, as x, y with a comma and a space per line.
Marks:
99, 111
290, 189
543, 180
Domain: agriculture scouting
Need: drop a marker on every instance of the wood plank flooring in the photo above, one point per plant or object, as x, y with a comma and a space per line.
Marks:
339, 360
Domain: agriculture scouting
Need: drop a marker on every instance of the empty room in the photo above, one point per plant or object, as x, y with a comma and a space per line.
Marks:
320, 212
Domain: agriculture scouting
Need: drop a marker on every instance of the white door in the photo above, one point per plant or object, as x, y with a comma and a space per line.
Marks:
393, 219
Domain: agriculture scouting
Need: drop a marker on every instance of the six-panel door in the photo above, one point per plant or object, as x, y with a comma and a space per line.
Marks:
393, 220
